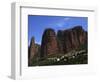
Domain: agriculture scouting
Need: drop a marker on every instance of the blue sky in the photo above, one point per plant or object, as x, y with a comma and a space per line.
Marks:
38, 23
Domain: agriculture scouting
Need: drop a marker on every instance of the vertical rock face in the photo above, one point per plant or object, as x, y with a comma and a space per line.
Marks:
82, 35
65, 41
32, 50
49, 43
71, 39
60, 40
37, 48
74, 38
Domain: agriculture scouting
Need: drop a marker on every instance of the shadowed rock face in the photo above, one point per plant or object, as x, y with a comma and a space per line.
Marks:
74, 38
49, 43
37, 48
32, 50
60, 39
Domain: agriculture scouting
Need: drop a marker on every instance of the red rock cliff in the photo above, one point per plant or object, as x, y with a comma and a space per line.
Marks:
49, 43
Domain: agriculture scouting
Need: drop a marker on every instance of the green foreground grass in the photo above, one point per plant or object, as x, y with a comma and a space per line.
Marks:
71, 58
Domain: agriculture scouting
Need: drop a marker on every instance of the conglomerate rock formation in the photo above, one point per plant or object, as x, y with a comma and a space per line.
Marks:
53, 43
74, 38
31, 51
49, 43
63, 42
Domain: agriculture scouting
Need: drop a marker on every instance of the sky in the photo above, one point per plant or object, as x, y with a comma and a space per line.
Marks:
38, 23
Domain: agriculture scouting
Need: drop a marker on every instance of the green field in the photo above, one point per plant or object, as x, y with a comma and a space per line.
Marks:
71, 58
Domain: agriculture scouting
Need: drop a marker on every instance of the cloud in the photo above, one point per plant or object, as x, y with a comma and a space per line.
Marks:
67, 18
60, 24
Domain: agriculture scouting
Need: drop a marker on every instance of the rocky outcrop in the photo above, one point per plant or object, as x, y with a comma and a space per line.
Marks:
62, 43
32, 50
49, 43
38, 49
60, 39
71, 38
